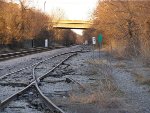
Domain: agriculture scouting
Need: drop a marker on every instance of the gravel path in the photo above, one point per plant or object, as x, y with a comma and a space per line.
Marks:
136, 95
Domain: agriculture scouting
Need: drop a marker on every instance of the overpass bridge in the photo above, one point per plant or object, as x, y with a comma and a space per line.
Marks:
72, 24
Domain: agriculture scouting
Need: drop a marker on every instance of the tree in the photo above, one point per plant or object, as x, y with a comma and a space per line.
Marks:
18, 22
69, 37
121, 23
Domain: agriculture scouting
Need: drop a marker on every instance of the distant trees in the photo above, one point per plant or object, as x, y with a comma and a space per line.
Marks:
79, 39
18, 22
125, 26
88, 34
69, 37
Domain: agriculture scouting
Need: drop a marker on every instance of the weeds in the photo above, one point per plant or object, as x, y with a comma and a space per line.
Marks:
141, 79
107, 93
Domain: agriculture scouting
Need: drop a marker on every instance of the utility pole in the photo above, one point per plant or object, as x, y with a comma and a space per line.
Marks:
44, 5
46, 40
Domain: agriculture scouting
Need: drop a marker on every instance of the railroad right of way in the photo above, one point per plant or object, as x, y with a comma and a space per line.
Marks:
32, 77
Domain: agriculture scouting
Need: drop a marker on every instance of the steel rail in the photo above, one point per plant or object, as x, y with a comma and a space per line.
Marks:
54, 108
25, 50
21, 53
49, 103
12, 97
3, 76
7, 100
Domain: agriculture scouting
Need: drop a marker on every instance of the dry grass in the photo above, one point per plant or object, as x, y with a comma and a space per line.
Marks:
101, 98
98, 61
117, 48
104, 92
120, 65
127, 48
141, 79
90, 98
107, 95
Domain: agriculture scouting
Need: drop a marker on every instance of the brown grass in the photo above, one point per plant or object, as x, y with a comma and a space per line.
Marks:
141, 79
104, 92
120, 65
107, 95
103, 99
90, 98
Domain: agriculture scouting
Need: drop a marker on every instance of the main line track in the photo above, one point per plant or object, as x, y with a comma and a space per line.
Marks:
24, 52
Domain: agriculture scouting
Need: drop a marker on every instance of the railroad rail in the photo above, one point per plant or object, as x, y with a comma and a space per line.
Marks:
50, 104
24, 52
3, 76
36, 80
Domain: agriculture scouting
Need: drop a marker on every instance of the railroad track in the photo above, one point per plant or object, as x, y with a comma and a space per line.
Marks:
25, 52
38, 72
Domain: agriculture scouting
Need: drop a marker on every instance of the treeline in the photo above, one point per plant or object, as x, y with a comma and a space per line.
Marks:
125, 26
18, 23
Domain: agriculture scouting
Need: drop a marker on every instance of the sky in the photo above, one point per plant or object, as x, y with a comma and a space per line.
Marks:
72, 9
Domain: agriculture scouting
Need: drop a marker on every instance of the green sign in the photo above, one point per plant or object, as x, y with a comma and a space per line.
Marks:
100, 38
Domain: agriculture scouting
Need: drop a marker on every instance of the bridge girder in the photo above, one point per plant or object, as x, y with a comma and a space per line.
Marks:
72, 24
